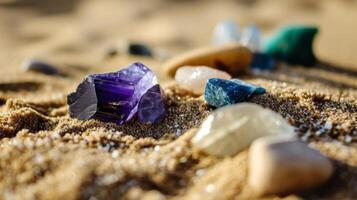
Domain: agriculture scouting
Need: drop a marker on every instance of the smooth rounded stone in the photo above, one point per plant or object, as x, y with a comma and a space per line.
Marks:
152, 108
40, 67
220, 92
226, 32
251, 38
232, 128
231, 58
281, 165
194, 79
262, 61
293, 44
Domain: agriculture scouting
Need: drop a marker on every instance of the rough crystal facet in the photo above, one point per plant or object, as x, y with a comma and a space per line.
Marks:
83, 102
151, 108
194, 79
117, 94
230, 129
220, 92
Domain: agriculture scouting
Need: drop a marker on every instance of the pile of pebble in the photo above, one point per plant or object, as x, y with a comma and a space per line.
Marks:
279, 162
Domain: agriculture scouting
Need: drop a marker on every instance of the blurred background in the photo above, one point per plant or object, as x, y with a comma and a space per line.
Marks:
79, 31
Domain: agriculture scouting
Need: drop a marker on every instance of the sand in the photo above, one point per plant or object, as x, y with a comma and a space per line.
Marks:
45, 154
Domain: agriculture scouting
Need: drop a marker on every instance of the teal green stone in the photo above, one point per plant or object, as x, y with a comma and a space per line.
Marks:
293, 44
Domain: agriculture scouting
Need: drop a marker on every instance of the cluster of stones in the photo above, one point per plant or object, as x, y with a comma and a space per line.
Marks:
232, 128
118, 96
292, 44
234, 52
218, 87
228, 32
275, 152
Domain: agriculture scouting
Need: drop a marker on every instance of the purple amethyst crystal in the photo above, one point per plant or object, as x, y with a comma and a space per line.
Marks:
111, 96
151, 109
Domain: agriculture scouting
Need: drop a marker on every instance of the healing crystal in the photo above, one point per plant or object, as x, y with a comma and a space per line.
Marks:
83, 102
220, 92
151, 108
293, 44
251, 38
111, 96
232, 128
194, 79
262, 61
226, 32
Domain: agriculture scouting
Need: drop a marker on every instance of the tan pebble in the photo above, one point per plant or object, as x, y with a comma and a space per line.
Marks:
281, 164
231, 58
194, 79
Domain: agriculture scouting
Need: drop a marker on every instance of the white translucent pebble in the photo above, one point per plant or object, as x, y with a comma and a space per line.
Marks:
273, 160
232, 128
251, 38
226, 32
195, 78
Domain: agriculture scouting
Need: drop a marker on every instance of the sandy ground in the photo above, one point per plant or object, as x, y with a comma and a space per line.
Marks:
46, 155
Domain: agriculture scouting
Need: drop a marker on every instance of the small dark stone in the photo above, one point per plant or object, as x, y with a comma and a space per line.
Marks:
262, 61
139, 49
111, 52
40, 67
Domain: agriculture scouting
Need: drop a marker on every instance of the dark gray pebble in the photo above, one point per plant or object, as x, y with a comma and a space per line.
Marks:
40, 67
139, 49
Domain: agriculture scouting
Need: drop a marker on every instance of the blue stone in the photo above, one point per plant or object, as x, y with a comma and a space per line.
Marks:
262, 61
221, 92
226, 32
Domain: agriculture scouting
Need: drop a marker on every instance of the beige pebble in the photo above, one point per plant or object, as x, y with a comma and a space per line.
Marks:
194, 79
231, 58
282, 164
